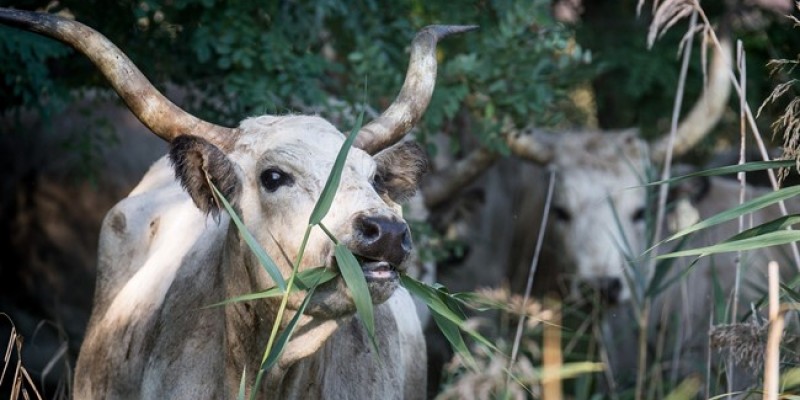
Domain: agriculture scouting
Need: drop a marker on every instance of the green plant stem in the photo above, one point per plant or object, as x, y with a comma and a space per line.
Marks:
285, 298
327, 232
641, 371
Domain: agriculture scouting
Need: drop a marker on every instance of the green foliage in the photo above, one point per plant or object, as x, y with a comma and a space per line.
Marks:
26, 78
245, 58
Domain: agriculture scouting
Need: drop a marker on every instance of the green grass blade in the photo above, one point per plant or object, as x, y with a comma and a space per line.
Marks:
793, 295
357, 283
745, 208
242, 386
332, 184
271, 292
314, 277
453, 335
443, 304
304, 281
756, 242
777, 224
262, 256
284, 337
728, 170
662, 268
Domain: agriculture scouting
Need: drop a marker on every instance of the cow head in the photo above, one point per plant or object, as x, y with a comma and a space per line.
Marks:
596, 220
274, 174
273, 169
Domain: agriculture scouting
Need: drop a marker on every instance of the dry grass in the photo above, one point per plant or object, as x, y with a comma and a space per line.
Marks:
22, 385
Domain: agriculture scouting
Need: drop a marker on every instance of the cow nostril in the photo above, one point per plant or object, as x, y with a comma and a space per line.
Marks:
406, 242
382, 238
610, 289
369, 229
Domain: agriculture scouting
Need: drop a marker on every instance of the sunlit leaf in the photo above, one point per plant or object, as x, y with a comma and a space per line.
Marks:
263, 258
332, 184
357, 283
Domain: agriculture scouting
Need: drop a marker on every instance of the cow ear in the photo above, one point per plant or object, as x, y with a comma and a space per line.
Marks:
197, 161
399, 170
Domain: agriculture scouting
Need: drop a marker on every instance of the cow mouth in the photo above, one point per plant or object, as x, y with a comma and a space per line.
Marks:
377, 270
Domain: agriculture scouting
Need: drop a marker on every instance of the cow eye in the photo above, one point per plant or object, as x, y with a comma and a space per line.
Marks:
561, 214
273, 178
379, 184
638, 215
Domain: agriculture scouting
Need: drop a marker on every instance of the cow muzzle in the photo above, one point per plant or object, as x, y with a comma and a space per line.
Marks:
381, 245
608, 290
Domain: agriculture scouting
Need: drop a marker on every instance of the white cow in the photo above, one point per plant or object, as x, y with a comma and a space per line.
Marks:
596, 226
167, 250
596, 231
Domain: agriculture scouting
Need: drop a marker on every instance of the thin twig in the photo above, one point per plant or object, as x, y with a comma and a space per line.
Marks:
531, 273
662, 199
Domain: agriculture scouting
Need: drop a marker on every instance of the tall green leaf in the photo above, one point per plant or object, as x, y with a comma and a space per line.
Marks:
357, 283
728, 170
745, 208
305, 280
332, 184
262, 256
756, 242
284, 337
442, 304
453, 335
778, 224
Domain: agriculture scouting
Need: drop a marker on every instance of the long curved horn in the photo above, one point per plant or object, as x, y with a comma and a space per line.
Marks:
155, 111
532, 145
441, 185
707, 111
415, 94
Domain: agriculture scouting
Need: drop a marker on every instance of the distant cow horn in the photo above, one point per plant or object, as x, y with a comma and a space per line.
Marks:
415, 94
708, 109
155, 111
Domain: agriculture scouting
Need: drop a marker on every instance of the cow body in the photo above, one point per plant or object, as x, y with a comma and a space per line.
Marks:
162, 260
169, 250
596, 238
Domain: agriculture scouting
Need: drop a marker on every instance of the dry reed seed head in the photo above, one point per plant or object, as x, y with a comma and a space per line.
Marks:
488, 381
513, 303
746, 344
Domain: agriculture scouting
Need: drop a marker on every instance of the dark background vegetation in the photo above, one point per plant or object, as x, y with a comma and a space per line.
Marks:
229, 60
